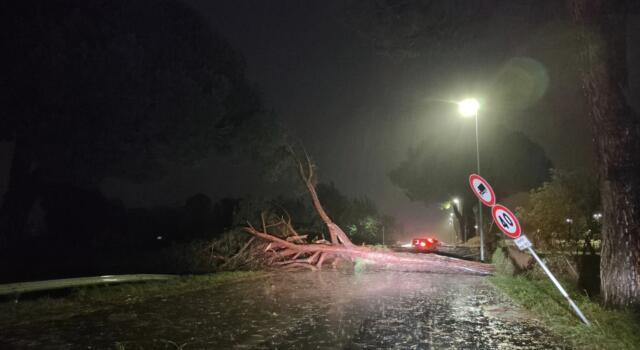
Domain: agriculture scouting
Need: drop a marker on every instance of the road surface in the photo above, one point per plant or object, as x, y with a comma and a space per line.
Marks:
306, 310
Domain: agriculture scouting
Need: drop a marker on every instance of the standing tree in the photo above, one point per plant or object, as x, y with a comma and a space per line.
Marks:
616, 131
118, 88
561, 212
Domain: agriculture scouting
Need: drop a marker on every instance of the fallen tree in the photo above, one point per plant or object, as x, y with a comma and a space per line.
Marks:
279, 244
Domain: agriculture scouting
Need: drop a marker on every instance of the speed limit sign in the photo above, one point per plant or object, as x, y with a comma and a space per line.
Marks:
506, 221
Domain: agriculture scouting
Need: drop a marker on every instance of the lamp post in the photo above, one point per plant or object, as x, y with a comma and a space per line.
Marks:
469, 108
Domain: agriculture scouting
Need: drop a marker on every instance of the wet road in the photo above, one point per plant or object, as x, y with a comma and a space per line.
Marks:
306, 310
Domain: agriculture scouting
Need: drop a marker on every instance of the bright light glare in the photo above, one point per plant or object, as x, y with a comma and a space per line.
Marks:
468, 107
408, 245
456, 201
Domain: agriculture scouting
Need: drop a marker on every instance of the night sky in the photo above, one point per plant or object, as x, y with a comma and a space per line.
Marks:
357, 110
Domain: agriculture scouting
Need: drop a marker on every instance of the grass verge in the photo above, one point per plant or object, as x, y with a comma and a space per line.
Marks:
91, 299
610, 329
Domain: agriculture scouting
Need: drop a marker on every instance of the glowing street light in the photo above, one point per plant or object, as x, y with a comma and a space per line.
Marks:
456, 201
469, 108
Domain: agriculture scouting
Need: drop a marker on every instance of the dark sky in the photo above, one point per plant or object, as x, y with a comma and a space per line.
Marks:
357, 111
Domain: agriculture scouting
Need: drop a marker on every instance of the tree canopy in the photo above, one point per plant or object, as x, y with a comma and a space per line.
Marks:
438, 168
563, 211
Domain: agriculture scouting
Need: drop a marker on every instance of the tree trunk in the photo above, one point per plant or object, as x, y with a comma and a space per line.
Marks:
616, 133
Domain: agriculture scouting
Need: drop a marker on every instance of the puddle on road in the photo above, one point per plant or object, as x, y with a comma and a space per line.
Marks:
306, 310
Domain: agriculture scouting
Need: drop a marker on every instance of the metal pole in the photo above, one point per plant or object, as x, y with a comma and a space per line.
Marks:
479, 202
562, 291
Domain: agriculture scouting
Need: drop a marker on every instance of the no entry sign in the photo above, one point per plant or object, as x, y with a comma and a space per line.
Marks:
482, 190
506, 221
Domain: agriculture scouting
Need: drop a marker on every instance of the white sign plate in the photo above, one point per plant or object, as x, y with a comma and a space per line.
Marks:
523, 242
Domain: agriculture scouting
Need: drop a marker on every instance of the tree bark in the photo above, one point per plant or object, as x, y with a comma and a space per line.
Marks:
616, 132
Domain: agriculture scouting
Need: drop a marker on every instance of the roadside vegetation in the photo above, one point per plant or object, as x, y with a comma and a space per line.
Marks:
610, 329
563, 220
65, 304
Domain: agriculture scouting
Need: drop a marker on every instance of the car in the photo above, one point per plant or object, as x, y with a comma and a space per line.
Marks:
423, 244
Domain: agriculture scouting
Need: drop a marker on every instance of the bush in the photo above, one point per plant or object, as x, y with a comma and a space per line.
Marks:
501, 261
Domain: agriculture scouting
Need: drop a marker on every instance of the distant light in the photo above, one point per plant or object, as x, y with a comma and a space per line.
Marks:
451, 214
422, 244
159, 238
597, 216
468, 107
568, 220
430, 240
408, 245
475, 226
456, 201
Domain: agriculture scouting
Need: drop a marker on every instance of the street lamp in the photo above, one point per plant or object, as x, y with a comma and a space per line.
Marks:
469, 108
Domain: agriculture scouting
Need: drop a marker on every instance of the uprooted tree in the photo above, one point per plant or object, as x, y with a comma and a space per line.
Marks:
277, 243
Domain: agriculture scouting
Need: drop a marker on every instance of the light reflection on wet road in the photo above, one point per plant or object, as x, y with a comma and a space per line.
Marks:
306, 310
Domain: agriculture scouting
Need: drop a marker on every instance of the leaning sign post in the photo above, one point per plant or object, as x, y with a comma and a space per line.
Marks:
510, 226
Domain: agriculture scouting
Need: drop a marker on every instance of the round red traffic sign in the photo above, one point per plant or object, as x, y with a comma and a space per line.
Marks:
482, 190
506, 221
